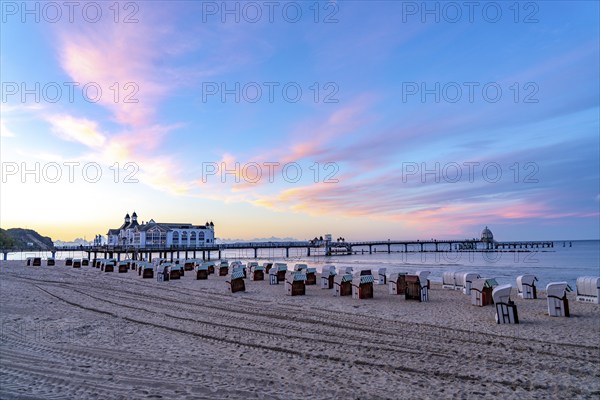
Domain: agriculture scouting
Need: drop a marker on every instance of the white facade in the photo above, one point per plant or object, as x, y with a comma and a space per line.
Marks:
154, 234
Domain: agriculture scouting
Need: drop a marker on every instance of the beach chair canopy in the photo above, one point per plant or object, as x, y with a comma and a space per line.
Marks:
480, 284
299, 276
237, 274
461, 278
300, 267
346, 277
237, 268
366, 279
342, 278
501, 294
162, 268
525, 280
448, 278
588, 286
280, 266
328, 270
557, 289
423, 275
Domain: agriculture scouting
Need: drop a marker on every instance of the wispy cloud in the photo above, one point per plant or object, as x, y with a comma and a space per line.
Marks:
4, 131
79, 130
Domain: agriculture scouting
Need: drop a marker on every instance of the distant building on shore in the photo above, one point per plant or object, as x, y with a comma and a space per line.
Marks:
160, 234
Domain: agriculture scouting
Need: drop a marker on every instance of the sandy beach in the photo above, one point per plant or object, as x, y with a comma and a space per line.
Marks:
81, 333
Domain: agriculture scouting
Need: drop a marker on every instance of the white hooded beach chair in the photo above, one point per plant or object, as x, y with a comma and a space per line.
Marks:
448, 280
146, 270
397, 283
342, 285
201, 271
382, 277
588, 289
464, 281
223, 268
281, 269
162, 272
250, 267
235, 280
295, 283
506, 310
362, 285
526, 286
481, 291
273, 276
257, 273
327, 274
348, 270
416, 286
558, 305
424, 277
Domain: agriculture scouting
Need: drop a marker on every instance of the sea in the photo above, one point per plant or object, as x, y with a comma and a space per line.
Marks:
566, 261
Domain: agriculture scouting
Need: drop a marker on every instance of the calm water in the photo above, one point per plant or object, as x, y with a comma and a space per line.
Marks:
549, 265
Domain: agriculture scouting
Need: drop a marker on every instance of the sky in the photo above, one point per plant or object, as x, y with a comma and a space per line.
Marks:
363, 119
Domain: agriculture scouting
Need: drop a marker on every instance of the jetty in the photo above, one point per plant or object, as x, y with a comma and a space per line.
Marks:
314, 247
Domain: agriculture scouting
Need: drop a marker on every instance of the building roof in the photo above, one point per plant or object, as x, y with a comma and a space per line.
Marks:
487, 235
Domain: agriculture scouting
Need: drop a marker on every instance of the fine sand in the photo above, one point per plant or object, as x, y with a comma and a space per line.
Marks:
81, 333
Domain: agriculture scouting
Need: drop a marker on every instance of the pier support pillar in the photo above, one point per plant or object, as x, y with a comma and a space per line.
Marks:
5, 255
256, 252
308, 251
370, 249
287, 252
219, 254
389, 249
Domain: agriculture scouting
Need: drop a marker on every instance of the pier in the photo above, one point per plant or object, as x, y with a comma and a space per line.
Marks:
328, 248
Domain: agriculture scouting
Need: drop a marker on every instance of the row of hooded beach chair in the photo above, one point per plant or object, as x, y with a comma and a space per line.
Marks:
51, 261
